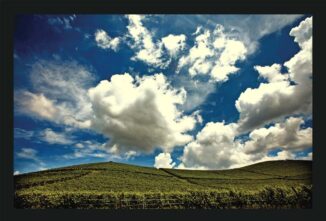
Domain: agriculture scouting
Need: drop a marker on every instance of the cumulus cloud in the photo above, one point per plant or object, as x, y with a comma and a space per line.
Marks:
283, 94
174, 43
272, 73
104, 41
287, 135
136, 114
214, 54
164, 160
140, 114
59, 93
216, 146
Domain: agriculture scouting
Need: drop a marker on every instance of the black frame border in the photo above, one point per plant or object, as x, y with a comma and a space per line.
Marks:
10, 8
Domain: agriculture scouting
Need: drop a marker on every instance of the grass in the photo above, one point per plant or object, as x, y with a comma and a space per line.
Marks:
275, 184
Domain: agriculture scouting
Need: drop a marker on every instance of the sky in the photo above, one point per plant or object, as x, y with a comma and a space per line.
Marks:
172, 91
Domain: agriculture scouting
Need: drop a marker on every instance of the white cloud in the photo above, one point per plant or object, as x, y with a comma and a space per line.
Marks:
287, 135
279, 97
17, 172
59, 95
79, 145
303, 32
36, 105
157, 53
214, 54
52, 137
247, 27
65, 22
142, 42
308, 157
140, 114
24, 134
47, 135
89, 148
251, 28
286, 155
41, 168
197, 90
272, 73
104, 41
28, 153
174, 43
164, 160
216, 146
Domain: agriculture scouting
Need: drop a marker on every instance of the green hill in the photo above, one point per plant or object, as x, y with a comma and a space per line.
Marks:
115, 185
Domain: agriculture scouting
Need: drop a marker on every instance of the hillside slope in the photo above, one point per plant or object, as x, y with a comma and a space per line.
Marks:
116, 180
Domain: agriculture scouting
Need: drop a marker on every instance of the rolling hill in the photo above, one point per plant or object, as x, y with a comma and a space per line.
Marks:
273, 184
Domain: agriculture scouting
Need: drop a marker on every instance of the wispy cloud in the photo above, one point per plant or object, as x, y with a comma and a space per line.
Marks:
23, 134
28, 153
62, 21
50, 136
59, 93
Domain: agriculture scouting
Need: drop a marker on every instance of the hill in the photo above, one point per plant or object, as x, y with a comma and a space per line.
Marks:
116, 185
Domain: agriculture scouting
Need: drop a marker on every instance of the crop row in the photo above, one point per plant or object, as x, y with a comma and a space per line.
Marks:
299, 197
53, 179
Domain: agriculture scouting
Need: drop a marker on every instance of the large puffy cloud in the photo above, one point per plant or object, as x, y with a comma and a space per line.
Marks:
164, 160
140, 114
104, 41
283, 94
135, 114
59, 93
216, 146
214, 54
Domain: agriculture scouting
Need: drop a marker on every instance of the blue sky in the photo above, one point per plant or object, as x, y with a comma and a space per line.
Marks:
181, 91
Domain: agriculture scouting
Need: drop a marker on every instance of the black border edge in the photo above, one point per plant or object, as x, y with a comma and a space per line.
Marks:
10, 8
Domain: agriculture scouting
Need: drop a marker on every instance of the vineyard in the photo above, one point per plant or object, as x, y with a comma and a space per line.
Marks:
274, 184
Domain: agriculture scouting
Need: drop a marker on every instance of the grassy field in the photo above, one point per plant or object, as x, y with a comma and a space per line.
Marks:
274, 184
